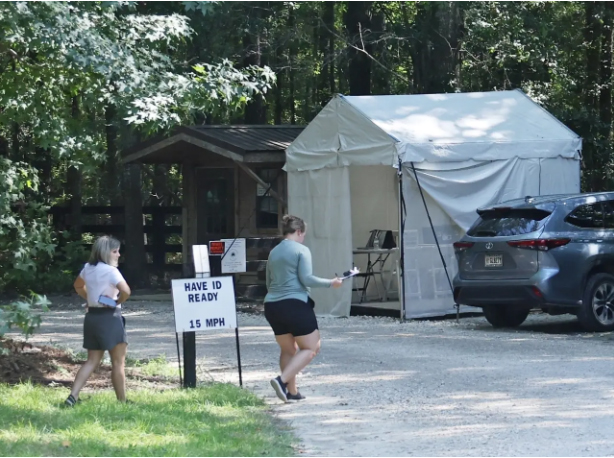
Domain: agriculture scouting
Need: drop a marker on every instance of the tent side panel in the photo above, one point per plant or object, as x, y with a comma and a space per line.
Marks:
452, 197
322, 199
459, 192
559, 176
427, 291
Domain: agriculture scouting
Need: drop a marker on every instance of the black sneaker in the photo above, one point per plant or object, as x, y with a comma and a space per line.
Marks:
70, 401
280, 388
295, 397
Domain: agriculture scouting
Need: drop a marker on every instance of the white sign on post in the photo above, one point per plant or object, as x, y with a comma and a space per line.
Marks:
235, 257
201, 260
203, 304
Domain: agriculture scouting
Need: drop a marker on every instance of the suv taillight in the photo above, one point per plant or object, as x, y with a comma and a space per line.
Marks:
539, 244
462, 246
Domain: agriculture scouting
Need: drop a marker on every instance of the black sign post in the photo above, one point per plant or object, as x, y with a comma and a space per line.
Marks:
215, 263
189, 360
189, 349
239, 356
189, 355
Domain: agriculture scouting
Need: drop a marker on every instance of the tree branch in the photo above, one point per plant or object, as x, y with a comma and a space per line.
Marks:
364, 51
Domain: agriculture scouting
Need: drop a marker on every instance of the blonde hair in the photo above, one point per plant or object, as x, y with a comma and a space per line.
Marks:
290, 224
102, 248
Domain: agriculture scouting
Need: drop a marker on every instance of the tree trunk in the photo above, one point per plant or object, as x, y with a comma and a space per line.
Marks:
291, 61
381, 77
605, 100
255, 111
73, 184
329, 56
326, 43
113, 173
15, 143
307, 110
592, 37
43, 163
279, 87
317, 57
358, 24
4, 147
438, 33
410, 81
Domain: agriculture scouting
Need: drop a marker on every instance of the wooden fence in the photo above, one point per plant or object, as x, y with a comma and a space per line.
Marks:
160, 222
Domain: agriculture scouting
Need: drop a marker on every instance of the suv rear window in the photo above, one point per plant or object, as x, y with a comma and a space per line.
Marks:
588, 215
501, 222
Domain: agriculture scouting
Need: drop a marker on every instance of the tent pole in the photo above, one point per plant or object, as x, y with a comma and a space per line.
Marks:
443, 261
401, 266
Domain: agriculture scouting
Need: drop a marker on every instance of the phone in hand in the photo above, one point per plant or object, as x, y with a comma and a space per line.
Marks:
106, 300
350, 273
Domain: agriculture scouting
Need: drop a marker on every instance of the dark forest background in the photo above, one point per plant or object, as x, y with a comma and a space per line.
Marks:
81, 81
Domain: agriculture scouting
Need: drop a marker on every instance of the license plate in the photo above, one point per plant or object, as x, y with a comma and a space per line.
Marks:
493, 260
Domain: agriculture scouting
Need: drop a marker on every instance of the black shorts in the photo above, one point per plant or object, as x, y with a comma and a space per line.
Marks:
291, 316
103, 328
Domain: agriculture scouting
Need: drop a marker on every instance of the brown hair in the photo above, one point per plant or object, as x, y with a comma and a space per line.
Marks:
290, 224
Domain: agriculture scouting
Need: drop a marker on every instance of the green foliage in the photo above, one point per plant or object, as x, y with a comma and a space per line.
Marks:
57, 273
24, 314
24, 234
159, 366
80, 79
212, 88
105, 54
83, 80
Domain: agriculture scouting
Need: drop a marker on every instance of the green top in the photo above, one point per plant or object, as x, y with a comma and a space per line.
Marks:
289, 273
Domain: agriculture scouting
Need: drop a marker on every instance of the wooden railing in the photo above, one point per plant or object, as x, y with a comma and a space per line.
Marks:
109, 221
101, 220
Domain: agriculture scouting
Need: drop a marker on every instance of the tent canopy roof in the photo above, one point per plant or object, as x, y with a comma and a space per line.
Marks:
456, 127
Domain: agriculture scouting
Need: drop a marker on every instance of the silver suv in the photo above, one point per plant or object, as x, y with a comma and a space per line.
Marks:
554, 253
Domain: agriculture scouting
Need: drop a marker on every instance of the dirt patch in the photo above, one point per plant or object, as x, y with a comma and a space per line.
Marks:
50, 366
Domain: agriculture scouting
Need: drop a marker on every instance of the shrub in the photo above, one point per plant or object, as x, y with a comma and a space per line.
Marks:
25, 314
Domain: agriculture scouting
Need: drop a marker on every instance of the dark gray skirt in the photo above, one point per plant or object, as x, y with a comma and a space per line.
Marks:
103, 328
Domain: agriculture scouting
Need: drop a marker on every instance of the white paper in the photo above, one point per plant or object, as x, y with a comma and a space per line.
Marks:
201, 259
204, 304
352, 273
235, 257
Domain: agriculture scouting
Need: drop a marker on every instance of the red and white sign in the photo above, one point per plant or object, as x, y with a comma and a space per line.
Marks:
217, 248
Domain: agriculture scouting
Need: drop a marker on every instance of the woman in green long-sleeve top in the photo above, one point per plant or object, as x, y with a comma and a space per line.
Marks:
288, 307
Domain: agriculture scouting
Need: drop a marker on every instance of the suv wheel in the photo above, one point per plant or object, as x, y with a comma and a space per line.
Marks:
504, 316
597, 311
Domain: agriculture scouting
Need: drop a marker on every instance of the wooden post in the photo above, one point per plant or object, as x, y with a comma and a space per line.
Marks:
159, 239
237, 195
73, 179
136, 262
188, 218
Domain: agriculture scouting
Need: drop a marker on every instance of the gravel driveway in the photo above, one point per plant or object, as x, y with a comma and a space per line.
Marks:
381, 387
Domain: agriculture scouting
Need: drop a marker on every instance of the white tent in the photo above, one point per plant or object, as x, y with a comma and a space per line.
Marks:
467, 150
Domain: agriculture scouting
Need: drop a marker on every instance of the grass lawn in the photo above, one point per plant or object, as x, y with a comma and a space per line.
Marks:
213, 420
